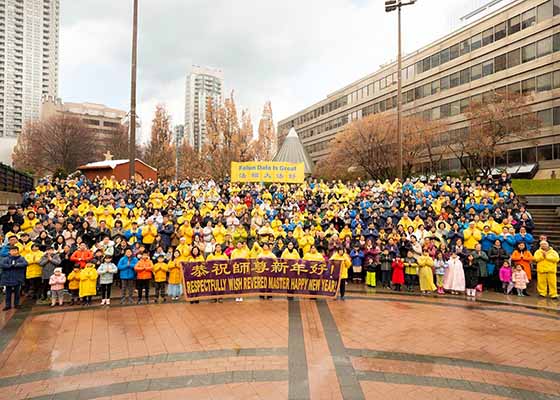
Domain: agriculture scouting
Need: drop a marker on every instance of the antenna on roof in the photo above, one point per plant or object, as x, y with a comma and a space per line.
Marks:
480, 9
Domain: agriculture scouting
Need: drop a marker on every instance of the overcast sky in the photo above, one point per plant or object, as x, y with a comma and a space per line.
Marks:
291, 52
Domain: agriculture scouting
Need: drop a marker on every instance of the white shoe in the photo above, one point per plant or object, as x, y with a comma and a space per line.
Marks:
103, 302
239, 299
108, 302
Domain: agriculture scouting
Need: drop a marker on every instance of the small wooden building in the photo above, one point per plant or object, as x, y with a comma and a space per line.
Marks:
119, 169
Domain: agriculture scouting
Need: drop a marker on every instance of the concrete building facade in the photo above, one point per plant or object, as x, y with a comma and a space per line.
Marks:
515, 49
203, 85
105, 121
29, 36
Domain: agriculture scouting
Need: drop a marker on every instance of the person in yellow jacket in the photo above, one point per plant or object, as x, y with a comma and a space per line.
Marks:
313, 254
74, 285
306, 241
345, 263
149, 233
29, 222
219, 233
34, 271
426, 273
547, 267
88, 284
160, 277
290, 253
472, 236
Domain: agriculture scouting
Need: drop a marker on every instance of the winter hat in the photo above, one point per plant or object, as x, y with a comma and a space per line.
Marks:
58, 269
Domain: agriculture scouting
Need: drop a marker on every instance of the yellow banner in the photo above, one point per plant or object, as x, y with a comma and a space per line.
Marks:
267, 171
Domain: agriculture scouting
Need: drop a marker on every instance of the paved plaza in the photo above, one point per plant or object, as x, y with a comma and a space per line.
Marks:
381, 346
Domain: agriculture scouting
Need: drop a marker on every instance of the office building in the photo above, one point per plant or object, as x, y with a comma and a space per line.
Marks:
515, 48
204, 86
105, 121
178, 135
29, 31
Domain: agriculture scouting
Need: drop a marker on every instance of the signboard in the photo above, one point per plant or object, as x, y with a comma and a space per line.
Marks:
271, 277
267, 171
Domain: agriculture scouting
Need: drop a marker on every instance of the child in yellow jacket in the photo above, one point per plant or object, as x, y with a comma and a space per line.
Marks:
74, 285
160, 277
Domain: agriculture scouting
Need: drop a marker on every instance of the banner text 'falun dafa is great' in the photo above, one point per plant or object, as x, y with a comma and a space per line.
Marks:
267, 171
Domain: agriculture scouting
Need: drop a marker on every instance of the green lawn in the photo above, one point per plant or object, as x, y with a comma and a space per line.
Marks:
541, 186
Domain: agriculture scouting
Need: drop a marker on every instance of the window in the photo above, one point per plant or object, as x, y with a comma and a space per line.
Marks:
410, 96
454, 80
514, 25
476, 99
556, 116
545, 118
435, 87
488, 68
465, 46
488, 36
444, 83
500, 63
529, 19
528, 53
476, 42
382, 83
464, 105
544, 11
427, 115
500, 31
445, 110
435, 113
513, 58
435, 60
556, 42
556, 79
544, 82
528, 86
544, 47
419, 67
454, 51
426, 62
427, 89
476, 72
444, 56
544, 152
465, 76
556, 7
419, 92
455, 108
514, 88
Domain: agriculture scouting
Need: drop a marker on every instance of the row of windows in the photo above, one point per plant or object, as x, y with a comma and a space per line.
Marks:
499, 63
325, 126
526, 87
318, 146
522, 21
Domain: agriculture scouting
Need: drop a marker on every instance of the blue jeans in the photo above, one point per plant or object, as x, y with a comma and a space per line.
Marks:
16, 291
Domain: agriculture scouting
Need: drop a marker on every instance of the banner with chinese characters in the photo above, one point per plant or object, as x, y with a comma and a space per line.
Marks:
271, 277
267, 171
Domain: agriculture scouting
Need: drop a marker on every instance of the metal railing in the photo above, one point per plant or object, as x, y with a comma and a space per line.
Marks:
14, 181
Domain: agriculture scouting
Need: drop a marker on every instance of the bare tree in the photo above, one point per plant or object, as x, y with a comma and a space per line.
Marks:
60, 143
265, 145
492, 122
159, 152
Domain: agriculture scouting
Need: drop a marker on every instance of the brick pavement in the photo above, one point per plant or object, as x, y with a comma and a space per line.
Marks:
373, 347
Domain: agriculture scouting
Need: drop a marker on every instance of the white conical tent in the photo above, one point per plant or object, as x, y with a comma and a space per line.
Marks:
292, 151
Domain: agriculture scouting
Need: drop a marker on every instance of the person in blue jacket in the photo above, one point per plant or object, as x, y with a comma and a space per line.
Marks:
134, 234
128, 275
357, 257
524, 237
488, 239
13, 276
508, 240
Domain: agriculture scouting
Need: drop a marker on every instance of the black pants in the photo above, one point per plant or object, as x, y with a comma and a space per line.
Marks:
143, 285
342, 287
15, 289
45, 287
106, 290
34, 287
86, 299
160, 289
385, 278
409, 280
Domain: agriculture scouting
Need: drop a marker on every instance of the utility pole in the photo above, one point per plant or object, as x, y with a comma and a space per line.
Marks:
392, 5
132, 119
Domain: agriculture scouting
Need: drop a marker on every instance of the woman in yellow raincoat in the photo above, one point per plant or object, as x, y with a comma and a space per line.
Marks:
88, 284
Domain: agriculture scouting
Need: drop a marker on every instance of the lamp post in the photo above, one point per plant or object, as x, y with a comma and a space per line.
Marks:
132, 120
392, 5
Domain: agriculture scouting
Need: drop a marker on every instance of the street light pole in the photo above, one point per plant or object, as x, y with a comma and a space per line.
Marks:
132, 120
392, 5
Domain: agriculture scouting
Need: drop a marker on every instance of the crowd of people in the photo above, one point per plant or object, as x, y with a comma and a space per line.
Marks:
79, 238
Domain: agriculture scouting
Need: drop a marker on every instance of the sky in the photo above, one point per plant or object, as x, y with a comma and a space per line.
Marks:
291, 52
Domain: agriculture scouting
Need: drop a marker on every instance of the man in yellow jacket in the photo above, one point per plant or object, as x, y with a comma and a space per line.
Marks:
547, 266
